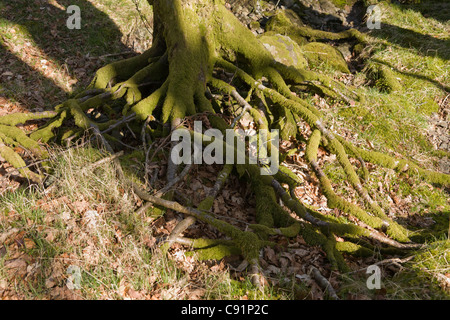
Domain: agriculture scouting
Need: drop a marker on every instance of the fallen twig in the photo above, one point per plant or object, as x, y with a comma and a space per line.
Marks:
324, 283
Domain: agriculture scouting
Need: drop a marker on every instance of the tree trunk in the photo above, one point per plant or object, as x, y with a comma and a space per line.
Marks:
196, 33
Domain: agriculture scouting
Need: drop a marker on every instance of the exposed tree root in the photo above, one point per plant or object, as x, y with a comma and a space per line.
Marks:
195, 43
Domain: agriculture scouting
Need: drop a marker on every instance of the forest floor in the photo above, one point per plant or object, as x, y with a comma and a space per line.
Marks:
50, 236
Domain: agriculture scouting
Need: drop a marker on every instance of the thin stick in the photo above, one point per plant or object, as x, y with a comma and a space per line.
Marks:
104, 160
189, 221
246, 106
324, 283
174, 181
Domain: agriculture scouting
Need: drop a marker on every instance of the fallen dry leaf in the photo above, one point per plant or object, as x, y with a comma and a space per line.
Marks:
50, 282
29, 243
196, 294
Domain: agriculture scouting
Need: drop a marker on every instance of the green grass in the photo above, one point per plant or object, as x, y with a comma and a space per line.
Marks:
36, 31
112, 252
422, 276
397, 122
416, 48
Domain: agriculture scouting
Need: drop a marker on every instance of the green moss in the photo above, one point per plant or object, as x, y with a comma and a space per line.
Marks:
395, 230
385, 79
262, 231
190, 30
284, 50
335, 173
353, 249
45, 134
291, 231
145, 107
313, 146
343, 160
76, 133
310, 117
284, 175
348, 230
334, 256
20, 138
207, 249
81, 120
284, 23
236, 42
342, 3
428, 106
268, 211
254, 25
286, 124
352, 151
265, 204
203, 104
18, 118
132, 158
335, 201
206, 204
404, 165
249, 244
123, 69
288, 23
358, 48
313, 237
320, 54
17, 162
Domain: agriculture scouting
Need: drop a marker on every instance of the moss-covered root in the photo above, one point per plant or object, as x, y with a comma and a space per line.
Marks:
271, 214
353, 151
11, 136
327, 227
17, 162
205, 205
315, 237
403, 165
353, 249
284, 23
216, 249
266, 206
319, 83
210, 249
393, 229
384, 77
334, 201
247, 242
335, 256
46, 133
122, 69
302, 212
72, 109
155, 72
337, 148
14, 119
14, 136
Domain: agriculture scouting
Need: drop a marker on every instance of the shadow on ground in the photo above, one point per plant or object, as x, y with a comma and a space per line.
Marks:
435, 9
72, 52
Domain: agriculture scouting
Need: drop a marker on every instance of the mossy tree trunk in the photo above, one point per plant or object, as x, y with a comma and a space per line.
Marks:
192, 40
